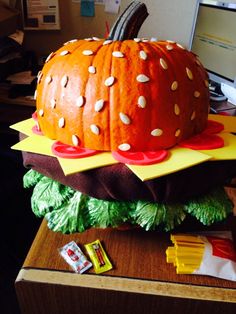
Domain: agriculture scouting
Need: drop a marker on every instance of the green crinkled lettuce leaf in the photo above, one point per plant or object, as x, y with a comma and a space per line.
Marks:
152, 215
210, 208
71, 217
31, 178
105, 214
48, 195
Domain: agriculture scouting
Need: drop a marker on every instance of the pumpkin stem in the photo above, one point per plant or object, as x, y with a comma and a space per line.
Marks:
129, 22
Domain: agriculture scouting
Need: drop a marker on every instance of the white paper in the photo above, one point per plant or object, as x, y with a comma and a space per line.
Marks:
112, 6
42, 14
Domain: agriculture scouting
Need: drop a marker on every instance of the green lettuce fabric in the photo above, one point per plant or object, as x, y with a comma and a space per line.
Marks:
70, 211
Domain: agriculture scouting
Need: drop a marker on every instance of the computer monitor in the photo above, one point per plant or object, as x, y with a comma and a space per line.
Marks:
214, 41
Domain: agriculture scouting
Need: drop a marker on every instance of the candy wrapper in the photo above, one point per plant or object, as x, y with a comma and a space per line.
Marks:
98, 256
210, 254
73, 255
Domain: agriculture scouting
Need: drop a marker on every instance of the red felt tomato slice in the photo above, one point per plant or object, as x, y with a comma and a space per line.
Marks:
36, 130
140, 158
203, 141
68, 151
34, 116
213, 127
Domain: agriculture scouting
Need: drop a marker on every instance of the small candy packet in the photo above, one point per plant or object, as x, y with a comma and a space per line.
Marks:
210, 253
73, 255
98, 256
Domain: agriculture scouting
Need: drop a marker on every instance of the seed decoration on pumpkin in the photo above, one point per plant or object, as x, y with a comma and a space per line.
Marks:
87, 52
196, 94
88, 39
163, 64
206, 83
96, 38
53, 103
64, 80
142, 78
92, 69
142, 102
124, 147
75, 140
180, 46
107, 42
41, 112
109, 81
80, 101
193, 116
118, 54
176, 109
124, 118
169, 47
48, 79
39, 76
64, 53
35, 94
70, 42
189, 74
137, 40
143, 55
157, 132
95, 129
170, 41
177, 133
61, 122
50, 57
145, 40
99, 105
174, 86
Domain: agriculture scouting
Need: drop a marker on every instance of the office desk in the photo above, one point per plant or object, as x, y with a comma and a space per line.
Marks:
141, 281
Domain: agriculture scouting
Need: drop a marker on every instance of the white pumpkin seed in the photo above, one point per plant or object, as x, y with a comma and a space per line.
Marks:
41, 112
95, 129
107, 42
64, 80
39, 76
64, 53
109, 81
142, 78
61, 122
157, 132
142, 102
87, 52
193, 116
206, 83
180, 46
75, 140
70, 42
189, 74
143, 55
80, 101
124, 147
169, 47
96, 39
163, 64
92, 69
124, 118
48, 79
177, 109
35, 94
137, 40
99, 105
53, 103
118, 54
49, 57
177, 133
174, 86
196, 94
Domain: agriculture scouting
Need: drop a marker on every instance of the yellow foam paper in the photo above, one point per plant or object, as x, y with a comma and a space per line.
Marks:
228, 152
228, 121
24, 126
70, 166
179, 159
35, 144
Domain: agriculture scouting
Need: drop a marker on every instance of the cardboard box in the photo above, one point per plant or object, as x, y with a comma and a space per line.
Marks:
8, 20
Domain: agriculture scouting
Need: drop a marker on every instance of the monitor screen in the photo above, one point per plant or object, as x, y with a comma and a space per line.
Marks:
214, 40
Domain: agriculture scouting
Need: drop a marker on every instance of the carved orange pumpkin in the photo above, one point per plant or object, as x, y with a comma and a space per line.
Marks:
130, 95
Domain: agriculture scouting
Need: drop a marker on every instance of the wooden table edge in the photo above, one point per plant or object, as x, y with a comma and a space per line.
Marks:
130, 285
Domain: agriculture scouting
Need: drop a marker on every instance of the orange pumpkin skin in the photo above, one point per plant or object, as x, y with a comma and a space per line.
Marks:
128, 95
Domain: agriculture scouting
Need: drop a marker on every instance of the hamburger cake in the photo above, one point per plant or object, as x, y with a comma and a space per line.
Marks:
135, 98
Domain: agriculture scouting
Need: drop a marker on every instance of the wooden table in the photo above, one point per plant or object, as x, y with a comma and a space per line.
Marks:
140, 282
